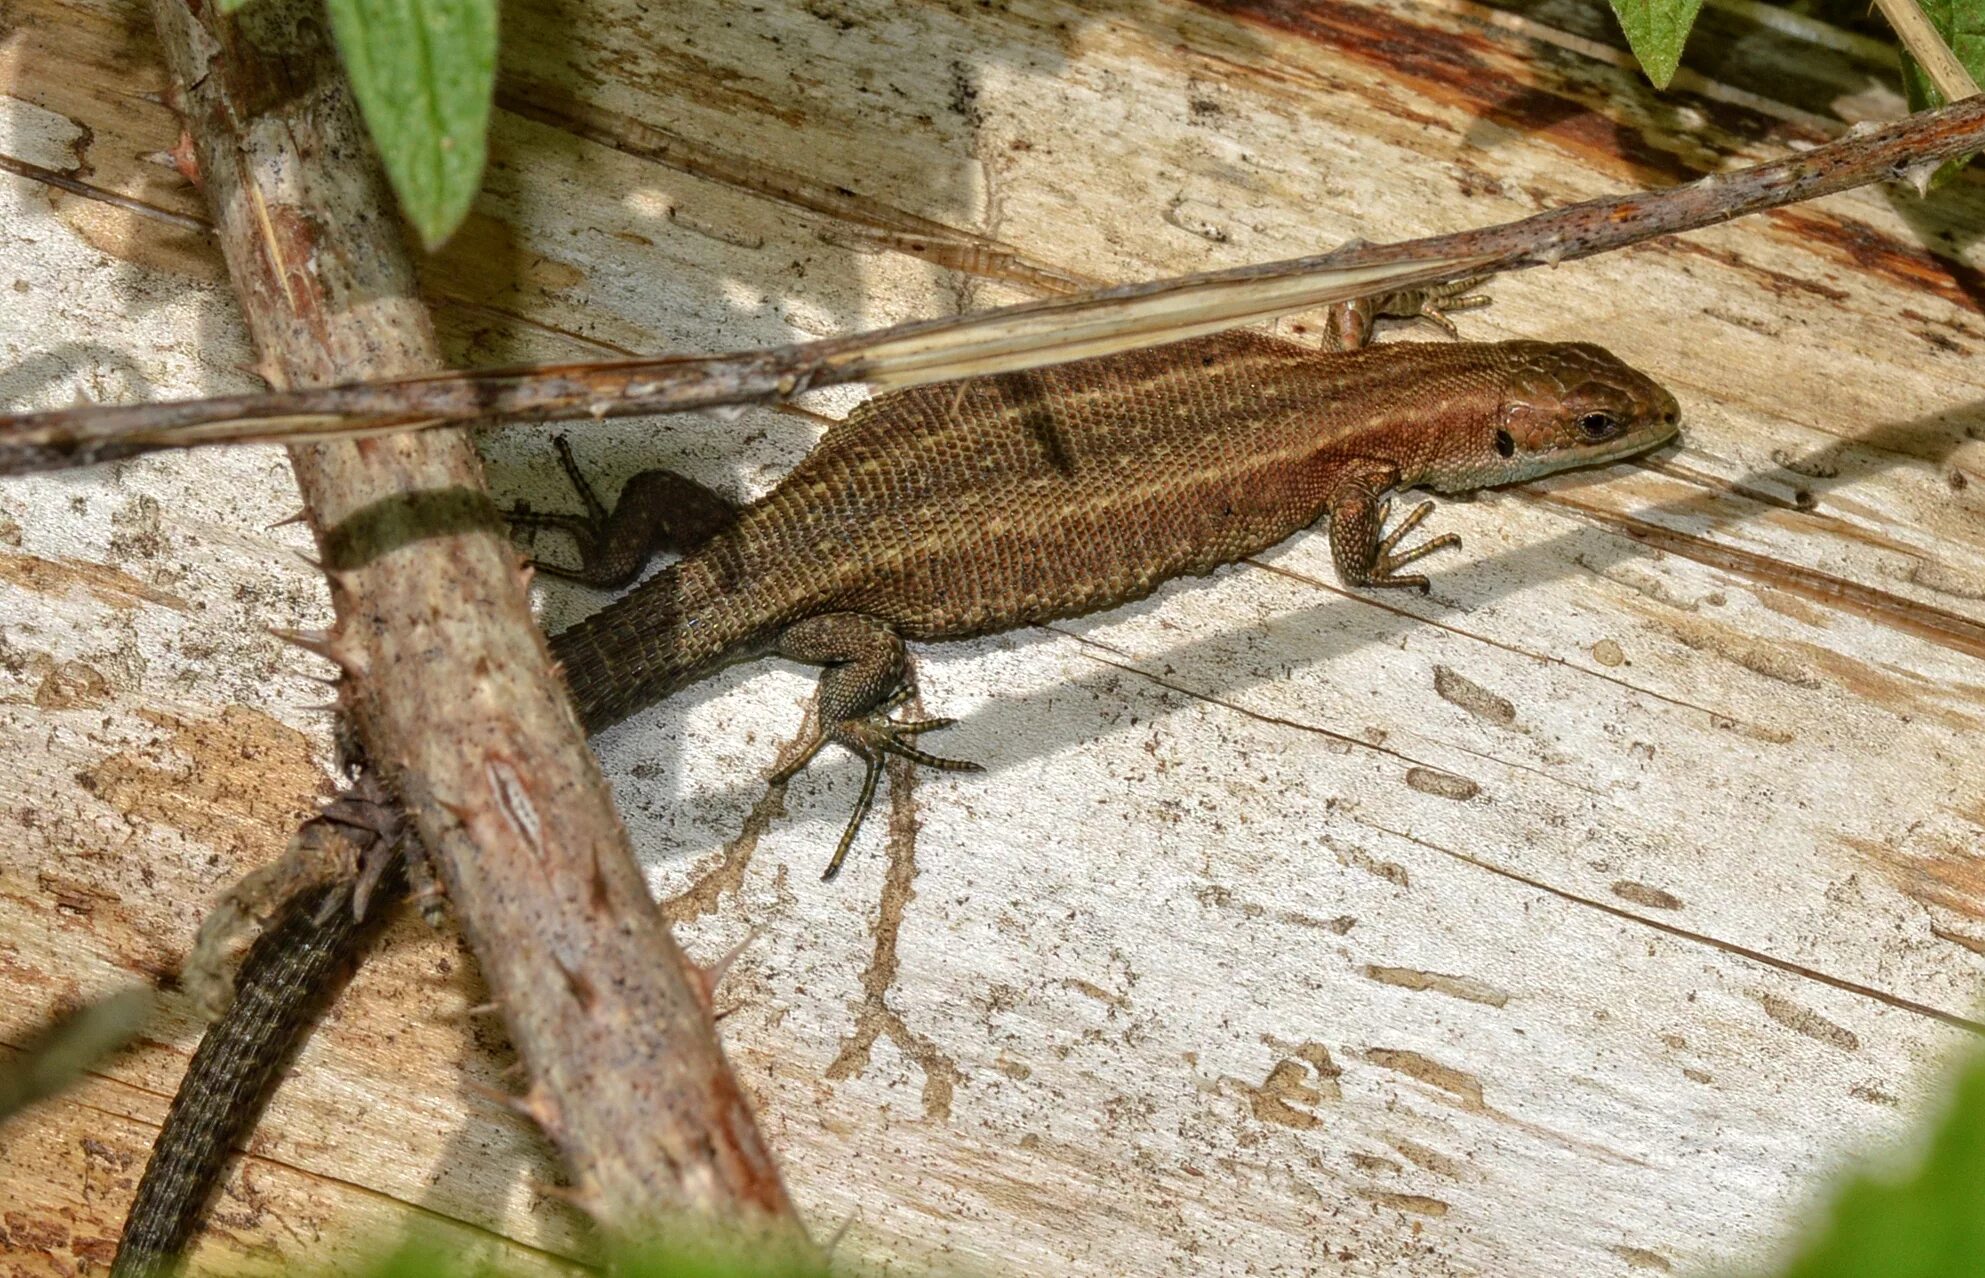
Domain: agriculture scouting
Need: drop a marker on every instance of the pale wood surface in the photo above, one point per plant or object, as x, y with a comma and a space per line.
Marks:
1579, 918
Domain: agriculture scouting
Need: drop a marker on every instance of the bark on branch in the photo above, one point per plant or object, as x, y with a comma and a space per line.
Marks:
1023, 336
451, 685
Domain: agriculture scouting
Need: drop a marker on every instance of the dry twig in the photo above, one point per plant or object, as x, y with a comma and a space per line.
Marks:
1023, 336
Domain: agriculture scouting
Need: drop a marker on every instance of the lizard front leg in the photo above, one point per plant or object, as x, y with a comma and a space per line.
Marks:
1359, 545
658, 510
863, 681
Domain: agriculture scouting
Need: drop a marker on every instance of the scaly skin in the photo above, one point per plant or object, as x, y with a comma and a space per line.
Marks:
956, 510
944, 512
290, 972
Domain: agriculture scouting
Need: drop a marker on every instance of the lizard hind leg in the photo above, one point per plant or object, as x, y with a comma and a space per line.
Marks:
658, 510
1354, 323
866, 677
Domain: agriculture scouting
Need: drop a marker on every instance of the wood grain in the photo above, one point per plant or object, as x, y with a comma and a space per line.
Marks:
1578, 918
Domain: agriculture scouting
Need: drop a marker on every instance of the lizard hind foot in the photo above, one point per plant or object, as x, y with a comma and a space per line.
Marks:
874, 737
866, 678
658, 510
583, 529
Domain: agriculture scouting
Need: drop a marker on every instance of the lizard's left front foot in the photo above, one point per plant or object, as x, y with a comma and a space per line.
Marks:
1352, 322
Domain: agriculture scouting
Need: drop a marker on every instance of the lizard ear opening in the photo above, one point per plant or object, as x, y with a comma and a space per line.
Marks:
1505, 444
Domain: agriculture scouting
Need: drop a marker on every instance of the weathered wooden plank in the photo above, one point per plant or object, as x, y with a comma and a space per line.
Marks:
1575, 917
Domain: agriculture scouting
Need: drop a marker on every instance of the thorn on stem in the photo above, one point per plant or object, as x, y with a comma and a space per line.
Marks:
326, 644
312, 641
580, 1199
709, 978
535, 1104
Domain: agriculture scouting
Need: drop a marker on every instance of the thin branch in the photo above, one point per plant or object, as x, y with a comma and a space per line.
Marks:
447, 677
63, 182
1912, 27
1023, 336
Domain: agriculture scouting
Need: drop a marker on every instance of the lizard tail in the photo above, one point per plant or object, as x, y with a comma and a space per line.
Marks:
672, 630
288, 974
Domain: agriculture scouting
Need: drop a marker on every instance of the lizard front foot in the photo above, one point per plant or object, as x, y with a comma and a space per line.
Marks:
1385, 571
1353, 323
1364, 552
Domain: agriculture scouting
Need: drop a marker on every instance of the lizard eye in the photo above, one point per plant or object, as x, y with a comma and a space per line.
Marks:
1505, 444
1598, 425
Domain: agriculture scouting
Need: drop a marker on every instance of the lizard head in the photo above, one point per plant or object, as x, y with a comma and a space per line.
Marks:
1563, 404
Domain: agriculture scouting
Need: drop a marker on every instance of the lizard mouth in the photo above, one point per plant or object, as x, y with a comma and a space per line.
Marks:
1634, 443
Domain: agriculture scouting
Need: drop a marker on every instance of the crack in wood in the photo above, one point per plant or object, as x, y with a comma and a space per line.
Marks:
1896, 1001
1926, 621
1298, 725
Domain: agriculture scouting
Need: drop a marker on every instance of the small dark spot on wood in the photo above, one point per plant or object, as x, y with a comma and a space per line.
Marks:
1443, 785
1641, 894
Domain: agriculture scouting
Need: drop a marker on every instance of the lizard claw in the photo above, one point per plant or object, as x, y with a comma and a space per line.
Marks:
874, 737
1352, 323
891, 736
1385, 570
1434, 303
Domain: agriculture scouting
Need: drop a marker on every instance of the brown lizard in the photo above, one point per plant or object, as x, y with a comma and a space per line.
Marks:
949, 511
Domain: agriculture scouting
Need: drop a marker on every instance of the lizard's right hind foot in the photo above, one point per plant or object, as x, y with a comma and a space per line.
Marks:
874, 737
658, 510
866, 677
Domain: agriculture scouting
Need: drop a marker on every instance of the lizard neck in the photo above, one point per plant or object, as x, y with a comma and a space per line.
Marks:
1438, 430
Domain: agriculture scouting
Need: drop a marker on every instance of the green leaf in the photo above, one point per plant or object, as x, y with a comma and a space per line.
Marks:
1656, 31
1928, 1224
689, 1251
1962, 25
424, 73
